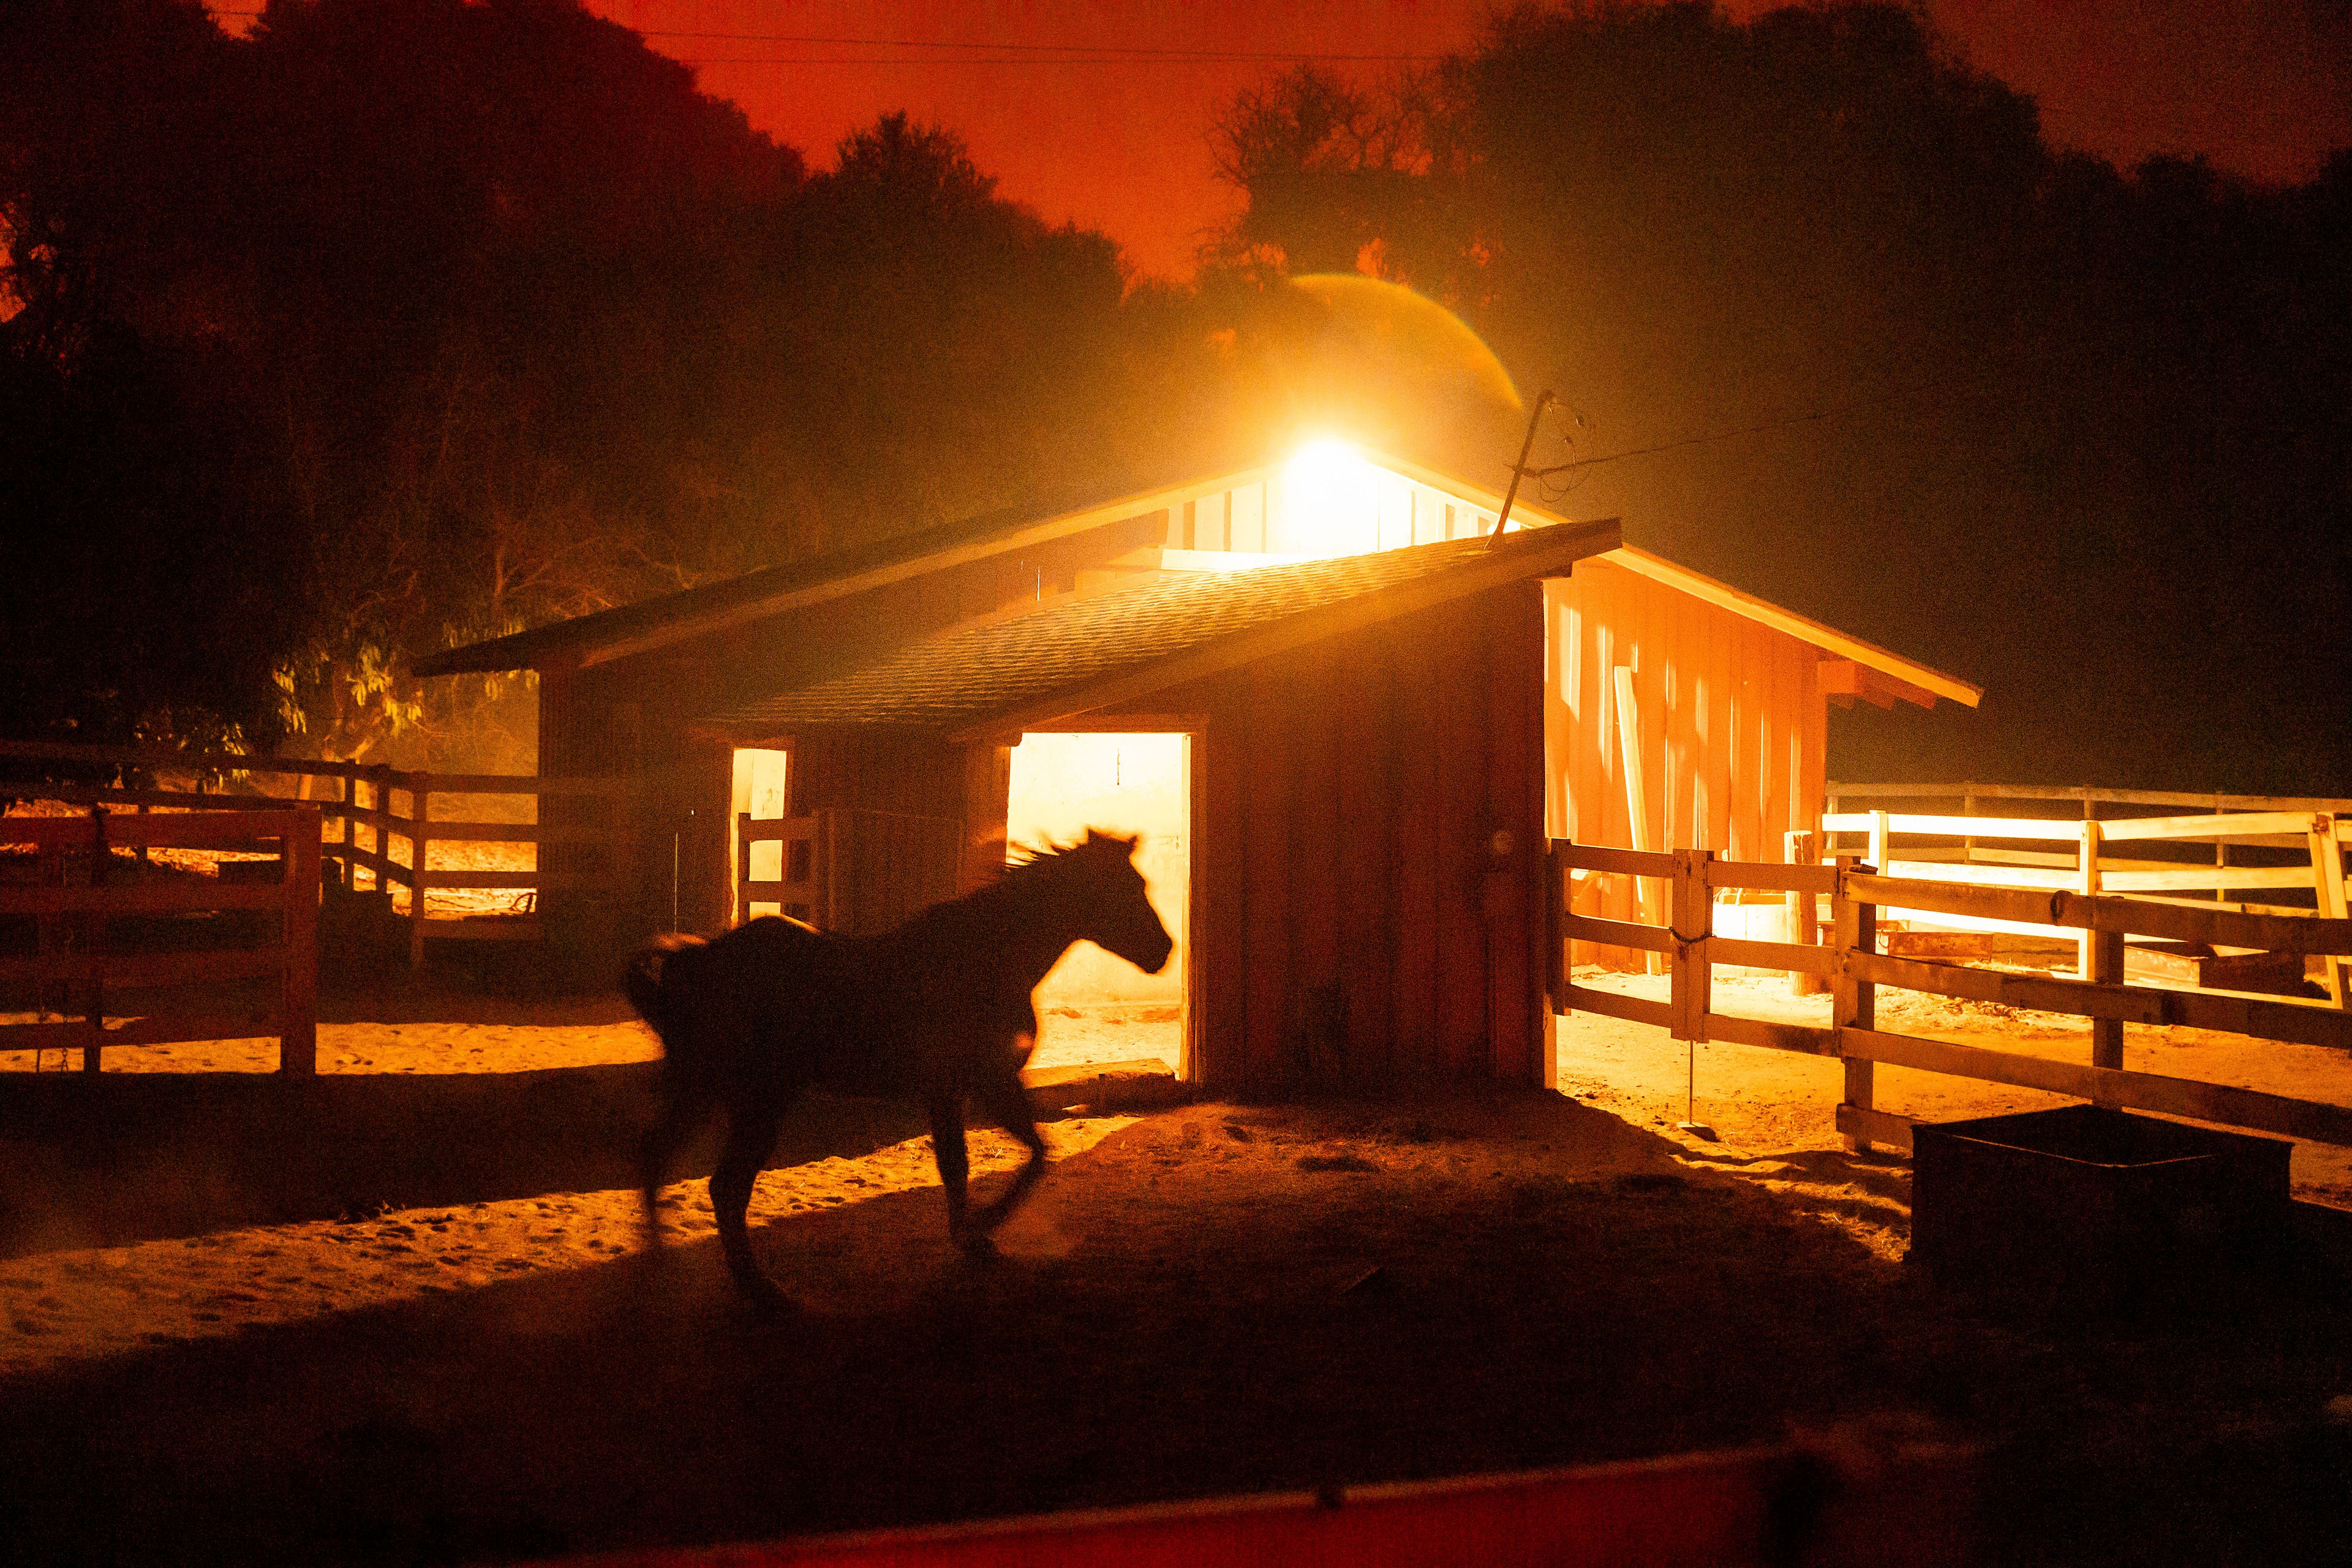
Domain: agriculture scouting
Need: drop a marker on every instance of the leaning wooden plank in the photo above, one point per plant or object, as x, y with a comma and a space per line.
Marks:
2239, 825
2137, 917
1625, 862
1617, 933
1794, 957
2314, 1120
1881, 1127
143, 968
1771, 878
1800, 1037
148, 899
1614, 1005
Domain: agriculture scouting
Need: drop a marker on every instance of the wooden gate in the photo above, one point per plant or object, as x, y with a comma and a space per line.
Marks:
847, 870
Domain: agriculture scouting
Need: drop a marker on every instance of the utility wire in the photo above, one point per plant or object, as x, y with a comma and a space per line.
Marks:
1054, 54
1578, 465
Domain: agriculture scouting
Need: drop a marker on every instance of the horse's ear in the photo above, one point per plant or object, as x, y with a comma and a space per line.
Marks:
1095, 836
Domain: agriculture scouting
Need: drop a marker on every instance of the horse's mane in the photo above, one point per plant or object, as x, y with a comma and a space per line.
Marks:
1035, 866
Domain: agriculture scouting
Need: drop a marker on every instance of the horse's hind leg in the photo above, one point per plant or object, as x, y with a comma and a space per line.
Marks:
1006, 1103
750, 1138
954, 1162
680, 1111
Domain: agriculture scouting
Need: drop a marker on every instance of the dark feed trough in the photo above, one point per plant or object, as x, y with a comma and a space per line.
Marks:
2094, 1205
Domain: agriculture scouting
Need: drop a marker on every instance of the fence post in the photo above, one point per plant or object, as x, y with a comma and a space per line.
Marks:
420, 812
1690, 914
2328, 888
1803, 848
93, 941
298, 1006
1853, 1001
1882, 846
743, 866
1555, 973
2086, 943
378, 801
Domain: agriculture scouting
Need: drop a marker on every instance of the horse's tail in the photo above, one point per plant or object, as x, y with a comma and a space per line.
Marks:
645, 979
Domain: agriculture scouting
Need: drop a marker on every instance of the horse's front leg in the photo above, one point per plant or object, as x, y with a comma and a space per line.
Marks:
955, 1165
1006, 1102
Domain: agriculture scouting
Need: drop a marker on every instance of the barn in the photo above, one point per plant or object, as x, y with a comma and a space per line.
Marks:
1344, 714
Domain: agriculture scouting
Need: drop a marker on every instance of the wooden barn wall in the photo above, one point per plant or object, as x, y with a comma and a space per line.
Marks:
1352, 925
1732, 723
634, 717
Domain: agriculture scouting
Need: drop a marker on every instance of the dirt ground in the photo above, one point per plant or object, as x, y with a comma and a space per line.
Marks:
401, 1313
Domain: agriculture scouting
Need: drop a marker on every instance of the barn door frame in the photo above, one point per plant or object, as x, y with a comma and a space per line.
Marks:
1194, 728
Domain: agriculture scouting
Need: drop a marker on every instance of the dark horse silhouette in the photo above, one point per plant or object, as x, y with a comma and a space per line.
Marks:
938, 1011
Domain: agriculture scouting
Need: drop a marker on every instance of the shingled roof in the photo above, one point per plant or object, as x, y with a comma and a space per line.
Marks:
1085, 653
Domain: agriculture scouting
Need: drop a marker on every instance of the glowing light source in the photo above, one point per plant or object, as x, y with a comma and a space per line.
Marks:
1330, 504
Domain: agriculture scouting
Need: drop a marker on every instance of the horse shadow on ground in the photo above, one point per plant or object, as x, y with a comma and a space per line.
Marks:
1198, 1330
1205, 1328
134, 1157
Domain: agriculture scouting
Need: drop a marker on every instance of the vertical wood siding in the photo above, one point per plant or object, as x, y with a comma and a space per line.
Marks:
1732, 726
1353, 926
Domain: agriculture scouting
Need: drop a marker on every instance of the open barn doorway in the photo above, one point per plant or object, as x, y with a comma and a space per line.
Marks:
759, 796
1094, 1007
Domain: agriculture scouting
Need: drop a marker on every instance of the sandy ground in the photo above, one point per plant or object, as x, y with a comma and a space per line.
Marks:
1758, 1101
402, 1314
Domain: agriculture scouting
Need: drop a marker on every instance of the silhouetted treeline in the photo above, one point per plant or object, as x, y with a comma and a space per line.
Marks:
407, 320
2089, 434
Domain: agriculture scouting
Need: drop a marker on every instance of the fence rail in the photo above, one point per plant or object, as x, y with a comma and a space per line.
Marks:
86, 971
2321, 837
849, 870
365, 820
1852, 962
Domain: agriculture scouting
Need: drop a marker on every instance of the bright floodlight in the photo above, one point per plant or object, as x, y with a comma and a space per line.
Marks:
1330, 503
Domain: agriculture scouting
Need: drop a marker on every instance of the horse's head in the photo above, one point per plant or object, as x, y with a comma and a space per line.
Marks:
1113, 913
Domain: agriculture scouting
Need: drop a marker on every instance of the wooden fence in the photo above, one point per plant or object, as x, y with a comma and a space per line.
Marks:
88, 966
364, 849
2087, 866
1851, 961
849, 871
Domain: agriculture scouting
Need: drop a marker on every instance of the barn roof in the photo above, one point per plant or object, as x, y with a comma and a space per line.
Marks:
1875, 671
772, 589
1015, 672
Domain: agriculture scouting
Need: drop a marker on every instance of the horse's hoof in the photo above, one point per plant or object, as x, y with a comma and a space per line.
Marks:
979, 1246
766, 1299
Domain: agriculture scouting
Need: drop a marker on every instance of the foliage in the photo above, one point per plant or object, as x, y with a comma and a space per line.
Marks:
403, 323
2084, 436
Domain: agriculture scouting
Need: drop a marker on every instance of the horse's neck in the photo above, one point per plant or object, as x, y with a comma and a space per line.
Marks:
1031, 929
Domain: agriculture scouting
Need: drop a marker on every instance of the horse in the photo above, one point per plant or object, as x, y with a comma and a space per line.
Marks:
937, 1011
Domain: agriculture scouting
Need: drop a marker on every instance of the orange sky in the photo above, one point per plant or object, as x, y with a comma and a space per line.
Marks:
1066, 101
